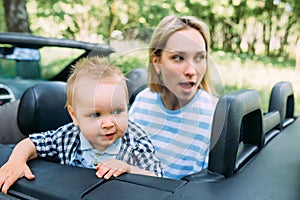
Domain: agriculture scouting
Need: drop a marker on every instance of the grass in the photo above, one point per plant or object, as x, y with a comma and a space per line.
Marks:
256, 74
237, 71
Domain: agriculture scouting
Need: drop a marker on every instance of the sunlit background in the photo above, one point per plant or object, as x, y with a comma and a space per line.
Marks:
254, 42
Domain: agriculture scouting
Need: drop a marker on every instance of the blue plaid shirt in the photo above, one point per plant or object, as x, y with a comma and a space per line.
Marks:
64, 145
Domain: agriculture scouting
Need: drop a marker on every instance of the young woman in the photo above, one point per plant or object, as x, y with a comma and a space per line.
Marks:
178, 106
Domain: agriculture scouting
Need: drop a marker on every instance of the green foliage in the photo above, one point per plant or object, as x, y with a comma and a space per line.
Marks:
127, 64
239, 71
276, 62
54, 59
3, 27
130, 54
258, 35
244, 26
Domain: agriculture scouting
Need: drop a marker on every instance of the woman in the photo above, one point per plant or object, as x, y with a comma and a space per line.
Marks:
177, 108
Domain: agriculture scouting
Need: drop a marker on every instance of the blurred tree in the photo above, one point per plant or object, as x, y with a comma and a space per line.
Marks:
112, 10
269, 27
2, 18
84, 20
16, 16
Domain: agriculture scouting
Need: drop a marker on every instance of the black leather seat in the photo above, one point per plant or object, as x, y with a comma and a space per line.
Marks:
237, 135
42, 108
241, 136
281, 110
136, 81
282, 100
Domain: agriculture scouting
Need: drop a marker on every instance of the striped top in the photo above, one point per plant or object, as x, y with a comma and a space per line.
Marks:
181, 137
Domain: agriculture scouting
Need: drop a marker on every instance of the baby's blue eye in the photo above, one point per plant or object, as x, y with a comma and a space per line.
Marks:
95, 115
117, 112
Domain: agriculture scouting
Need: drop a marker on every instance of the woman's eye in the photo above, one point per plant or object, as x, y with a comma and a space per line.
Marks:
95, 115
200, 57
177, 58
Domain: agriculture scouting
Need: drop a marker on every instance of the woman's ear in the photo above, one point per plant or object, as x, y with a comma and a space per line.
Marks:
155, 63
72, 114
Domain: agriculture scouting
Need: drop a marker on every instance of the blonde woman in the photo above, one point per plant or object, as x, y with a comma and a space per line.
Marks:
178, 106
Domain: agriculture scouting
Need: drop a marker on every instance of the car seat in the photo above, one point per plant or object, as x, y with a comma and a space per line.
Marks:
42, 108
136, 82
282, 99
237, 135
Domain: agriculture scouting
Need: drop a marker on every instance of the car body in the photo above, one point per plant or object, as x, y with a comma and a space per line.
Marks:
23, 55
253, 155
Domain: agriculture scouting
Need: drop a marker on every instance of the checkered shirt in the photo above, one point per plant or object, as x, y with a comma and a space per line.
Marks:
63, 143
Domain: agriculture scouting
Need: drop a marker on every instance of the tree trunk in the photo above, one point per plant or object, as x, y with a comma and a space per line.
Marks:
298, 55
16, 16
112, 10
284, 40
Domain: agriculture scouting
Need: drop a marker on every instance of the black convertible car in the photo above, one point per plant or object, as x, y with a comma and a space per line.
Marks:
254, 155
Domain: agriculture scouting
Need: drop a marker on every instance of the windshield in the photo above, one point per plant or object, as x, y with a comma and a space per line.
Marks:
43, 63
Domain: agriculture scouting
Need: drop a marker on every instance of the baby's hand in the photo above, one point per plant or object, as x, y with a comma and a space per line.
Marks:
10, 172
111, 167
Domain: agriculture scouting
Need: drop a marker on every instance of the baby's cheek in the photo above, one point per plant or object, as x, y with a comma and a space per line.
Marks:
122, 124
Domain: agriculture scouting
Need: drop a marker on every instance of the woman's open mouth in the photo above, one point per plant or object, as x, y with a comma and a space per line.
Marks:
187, 85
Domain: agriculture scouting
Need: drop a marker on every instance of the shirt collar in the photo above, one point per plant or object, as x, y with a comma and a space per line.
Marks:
85, 145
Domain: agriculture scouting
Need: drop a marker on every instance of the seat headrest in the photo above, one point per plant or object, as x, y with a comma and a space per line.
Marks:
136, 81
42, 108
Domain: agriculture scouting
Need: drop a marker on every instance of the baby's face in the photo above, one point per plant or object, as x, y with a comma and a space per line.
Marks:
100, 110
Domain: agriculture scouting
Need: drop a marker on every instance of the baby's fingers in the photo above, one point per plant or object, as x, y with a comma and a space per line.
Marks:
6, 184
28, 174
118, 172
109, 174
101, 170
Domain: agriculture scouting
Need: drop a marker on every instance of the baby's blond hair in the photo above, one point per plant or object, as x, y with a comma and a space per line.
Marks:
95, 68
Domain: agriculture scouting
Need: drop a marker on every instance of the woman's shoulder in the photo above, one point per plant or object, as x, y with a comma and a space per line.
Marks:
209, 100
144, 99
146, 93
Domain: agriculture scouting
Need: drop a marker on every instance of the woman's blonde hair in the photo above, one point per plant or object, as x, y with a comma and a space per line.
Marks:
95, 68
162, 33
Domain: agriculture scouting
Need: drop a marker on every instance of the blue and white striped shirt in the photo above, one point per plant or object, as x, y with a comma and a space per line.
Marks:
181, 137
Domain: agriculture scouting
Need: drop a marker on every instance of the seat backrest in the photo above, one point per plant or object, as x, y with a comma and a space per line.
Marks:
271, 121
136, 81
237, 131
42, 108
282, 100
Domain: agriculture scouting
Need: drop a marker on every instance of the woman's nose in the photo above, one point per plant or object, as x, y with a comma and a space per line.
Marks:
190, 69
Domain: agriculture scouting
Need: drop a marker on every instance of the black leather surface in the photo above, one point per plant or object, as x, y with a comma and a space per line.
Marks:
136, 81
41, 108
56, 181
274, 173
238, 118
282, 99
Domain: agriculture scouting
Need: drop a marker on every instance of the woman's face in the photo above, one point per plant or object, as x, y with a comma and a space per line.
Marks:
182, 66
